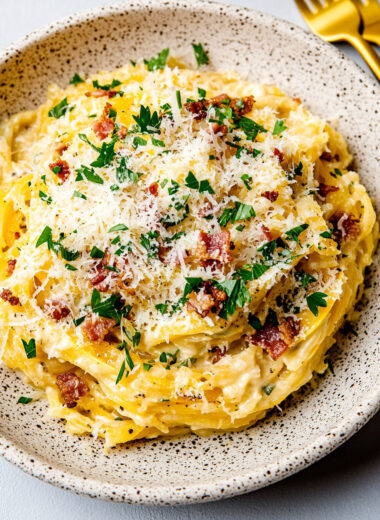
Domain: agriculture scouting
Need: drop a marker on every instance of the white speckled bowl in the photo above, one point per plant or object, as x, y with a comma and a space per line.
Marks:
313, 422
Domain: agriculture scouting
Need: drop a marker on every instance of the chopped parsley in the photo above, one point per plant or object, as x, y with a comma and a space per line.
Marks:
79, 195
60, 110
45, 197
113, 84
298, 169
158, 142
179, 100
96, 253
268, 389
30, 348
70, 267
147, 366
237, 295
56, 246
201, 93
24, 400
76, 79
203, 186
294, 233
239, 212
304, 277
89, 174
327, 234
254, 322
159, 62
138, 141
147, 122
315, 300
162, 308
106, 152
118, 227
250, 128
124, 173
247, 180
150, 243
279, 127
121, 373
252, 271
111, 307
200, 54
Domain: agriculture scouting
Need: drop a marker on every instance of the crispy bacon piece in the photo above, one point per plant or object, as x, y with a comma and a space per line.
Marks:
56, 309
297, 100
346, 226
215, 246
240, 106
208, 298
71, 387
270, 195
327, 156
153, 189
64, 170
7, 296
167, 257
122, 132
102, 93
278, 154
96, 327
324, 189
216, 128
62, 148
105, 125
11, 265
276, 339
102, 278
215, 265
218, 352
266, 232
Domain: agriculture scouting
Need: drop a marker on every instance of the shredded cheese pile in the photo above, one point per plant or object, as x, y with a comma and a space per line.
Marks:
179, 248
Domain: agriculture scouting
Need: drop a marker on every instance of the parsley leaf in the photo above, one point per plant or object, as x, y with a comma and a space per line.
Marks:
200, 54
252, 272
30, 348
239, 212
76, 79
106, 152
147, 122
150, 243
316, 300
121, 373
118, 227
162, 307
254, 322
327, 234
138, 141
89, 174
247, 179
293, 234
45, 236
279, 127
267, 389
237, 295
115, 83
159, 62
304, 277
24, 400
192, 182
298, 169
124, 173
250, 128
158, 142
79, 195
111, 307
96, 253
179, 100
60, 109
45, 197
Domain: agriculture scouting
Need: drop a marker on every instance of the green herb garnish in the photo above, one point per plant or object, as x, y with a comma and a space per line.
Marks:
315, 300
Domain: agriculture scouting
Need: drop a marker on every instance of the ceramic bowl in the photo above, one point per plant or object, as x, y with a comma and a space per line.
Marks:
315, 420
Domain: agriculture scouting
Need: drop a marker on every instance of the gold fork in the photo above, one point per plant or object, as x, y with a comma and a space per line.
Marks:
370, 13
339, 20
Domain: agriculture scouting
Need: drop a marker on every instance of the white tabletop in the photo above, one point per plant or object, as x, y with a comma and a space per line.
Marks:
343, 486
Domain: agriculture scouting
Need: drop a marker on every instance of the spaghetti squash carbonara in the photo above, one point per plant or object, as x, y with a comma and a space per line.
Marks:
179, 248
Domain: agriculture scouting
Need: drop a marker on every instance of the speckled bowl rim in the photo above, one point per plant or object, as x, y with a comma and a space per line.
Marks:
217, 488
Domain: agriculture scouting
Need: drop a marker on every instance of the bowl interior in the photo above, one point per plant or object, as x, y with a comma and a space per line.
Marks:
313, 422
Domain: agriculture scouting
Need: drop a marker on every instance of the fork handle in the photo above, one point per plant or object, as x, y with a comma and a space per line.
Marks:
367, 52
372, 37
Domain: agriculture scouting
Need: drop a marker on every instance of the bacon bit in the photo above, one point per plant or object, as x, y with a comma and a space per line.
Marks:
266, 232
96, 327
104, 125
166, 258
102, 278
17, 235
345, 226
62, 148
215, 265
11, 265
199, 108
153, 189
8, 296
122, 132
64, 169
270, 195
297, 100
276, 339
71, 387
327, 156
102, 93
208, 298
56, 309
325, 189
278, 154
216, 128
215, 246
219, 352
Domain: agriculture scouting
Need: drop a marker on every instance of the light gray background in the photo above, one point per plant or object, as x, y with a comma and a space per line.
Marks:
345, 485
